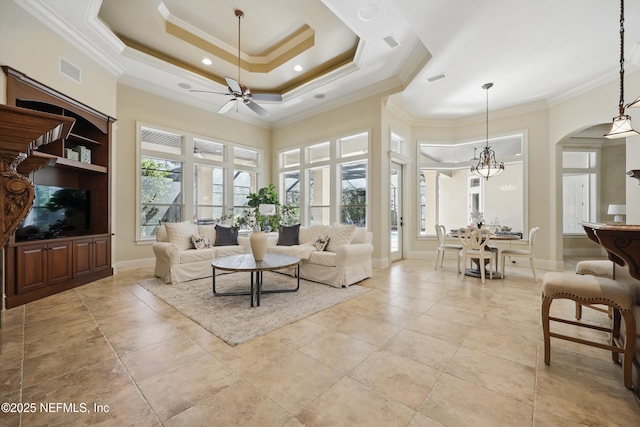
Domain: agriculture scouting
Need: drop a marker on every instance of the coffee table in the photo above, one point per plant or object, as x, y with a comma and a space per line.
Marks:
246, 263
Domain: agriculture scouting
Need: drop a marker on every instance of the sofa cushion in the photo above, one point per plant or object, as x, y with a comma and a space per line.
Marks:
323, 258
288, 235
179, 233
226, 236
309, 234
200, 242
360, 235
340, 235
161, 234
208, 230
195, 255
229, 250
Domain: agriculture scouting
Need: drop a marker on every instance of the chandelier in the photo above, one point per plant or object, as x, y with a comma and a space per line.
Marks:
487, 165
621, 127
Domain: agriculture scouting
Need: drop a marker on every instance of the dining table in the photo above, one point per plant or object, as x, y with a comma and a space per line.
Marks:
474, 270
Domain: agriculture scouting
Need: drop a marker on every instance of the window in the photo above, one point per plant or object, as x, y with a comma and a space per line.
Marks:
188, 177
579, 189
353, 197
449, 192
208, 192
327, 182
320, 196
160, 193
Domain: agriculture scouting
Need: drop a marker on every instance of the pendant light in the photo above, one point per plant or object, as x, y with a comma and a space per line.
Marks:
487, 165
621, 127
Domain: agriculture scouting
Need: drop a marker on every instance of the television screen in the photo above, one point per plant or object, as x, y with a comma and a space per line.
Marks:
56, 212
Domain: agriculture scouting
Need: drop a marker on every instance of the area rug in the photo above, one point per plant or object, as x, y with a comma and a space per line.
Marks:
232, 319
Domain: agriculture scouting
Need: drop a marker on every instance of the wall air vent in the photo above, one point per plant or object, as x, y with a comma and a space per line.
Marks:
391, 40
70, 70
435, 77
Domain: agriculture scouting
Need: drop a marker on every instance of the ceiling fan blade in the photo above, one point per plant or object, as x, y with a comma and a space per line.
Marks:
227, 106
233, 85
256, 108
266, 97
209, 91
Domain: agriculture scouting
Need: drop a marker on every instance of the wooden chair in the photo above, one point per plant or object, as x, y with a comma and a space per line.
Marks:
523, 253
443, 247
598, 268
588, 290
474, 246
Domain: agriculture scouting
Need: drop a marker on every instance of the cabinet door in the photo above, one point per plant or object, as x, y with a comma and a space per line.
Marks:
31, 268
101, 253
82, 257
59, 262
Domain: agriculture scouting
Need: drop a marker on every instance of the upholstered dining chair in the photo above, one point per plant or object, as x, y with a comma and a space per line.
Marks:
523, 253
474, 246
443, 247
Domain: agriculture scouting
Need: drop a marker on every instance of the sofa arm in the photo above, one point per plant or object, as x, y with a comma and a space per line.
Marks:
352, 254
166, 253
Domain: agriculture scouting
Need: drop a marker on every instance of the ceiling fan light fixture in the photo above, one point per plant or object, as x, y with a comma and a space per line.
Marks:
487, 165
621, 126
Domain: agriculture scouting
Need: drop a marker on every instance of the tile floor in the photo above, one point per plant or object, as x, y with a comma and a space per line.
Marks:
424, 348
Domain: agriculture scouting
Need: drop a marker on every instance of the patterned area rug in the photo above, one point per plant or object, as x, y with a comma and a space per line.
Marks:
232, 318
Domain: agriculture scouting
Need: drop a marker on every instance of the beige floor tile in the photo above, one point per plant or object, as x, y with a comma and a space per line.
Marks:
306, 379
452, 332
339, 351
494, 373
587, 402
428, 350
351, 403
361, 362
514, 348
403, 379
173, 391
164, 355
456, 402
237, 405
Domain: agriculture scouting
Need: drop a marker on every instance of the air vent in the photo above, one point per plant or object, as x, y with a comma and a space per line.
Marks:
435, 78
391, 40
70, 70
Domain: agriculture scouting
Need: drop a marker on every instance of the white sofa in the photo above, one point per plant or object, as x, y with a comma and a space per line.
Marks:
177, 260
339, 264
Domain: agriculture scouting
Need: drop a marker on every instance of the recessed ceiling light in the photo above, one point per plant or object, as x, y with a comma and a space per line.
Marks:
368, 11
184, 85
207, 61
297, 68
319, 95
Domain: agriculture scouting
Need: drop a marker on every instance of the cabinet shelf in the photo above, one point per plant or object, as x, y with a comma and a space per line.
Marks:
79, 138
63, 161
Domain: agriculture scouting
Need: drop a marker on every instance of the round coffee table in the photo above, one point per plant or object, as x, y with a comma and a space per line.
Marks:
246, 263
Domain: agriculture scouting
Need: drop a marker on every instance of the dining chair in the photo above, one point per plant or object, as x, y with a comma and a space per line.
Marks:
474, 246
443, 247
523, 253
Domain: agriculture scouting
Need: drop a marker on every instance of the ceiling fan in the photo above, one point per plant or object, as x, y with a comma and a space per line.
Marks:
239, 92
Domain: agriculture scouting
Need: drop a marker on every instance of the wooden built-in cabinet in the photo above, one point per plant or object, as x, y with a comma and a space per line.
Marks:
34, 269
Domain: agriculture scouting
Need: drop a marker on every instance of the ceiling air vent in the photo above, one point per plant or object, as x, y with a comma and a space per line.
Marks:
435, 77
391, 40
70, 70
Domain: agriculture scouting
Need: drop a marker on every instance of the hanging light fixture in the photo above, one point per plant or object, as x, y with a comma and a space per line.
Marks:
621, 127
487, 165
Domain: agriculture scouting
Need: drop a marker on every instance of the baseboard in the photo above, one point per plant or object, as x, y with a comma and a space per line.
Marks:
136, 263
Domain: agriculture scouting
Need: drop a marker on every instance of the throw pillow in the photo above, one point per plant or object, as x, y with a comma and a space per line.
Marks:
226, 236
179, 233
320, 242
340, 235
200, 242
288, 235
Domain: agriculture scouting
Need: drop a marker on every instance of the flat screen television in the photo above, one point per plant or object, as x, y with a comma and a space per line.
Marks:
57, 212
